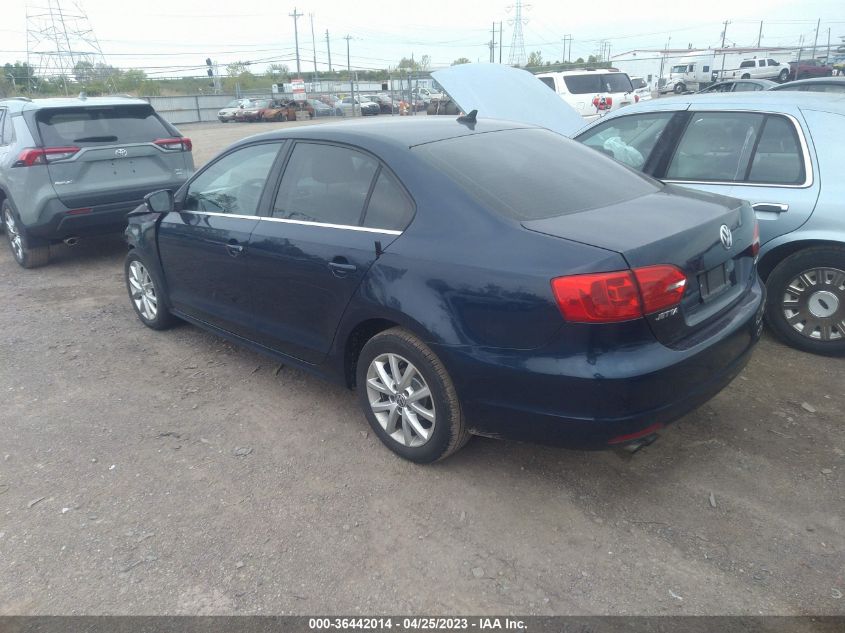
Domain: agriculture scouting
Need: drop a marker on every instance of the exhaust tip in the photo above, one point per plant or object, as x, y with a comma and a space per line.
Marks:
71, 241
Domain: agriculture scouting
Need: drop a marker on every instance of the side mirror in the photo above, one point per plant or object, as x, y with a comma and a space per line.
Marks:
159, 201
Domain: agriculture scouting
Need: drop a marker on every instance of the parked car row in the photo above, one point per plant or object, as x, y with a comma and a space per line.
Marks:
251, 110
819, 84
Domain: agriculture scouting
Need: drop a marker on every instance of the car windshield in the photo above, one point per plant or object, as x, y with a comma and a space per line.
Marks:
532, 173
100, 124
261, 104
679, 69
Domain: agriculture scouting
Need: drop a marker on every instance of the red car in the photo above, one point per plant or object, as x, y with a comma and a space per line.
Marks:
807, 68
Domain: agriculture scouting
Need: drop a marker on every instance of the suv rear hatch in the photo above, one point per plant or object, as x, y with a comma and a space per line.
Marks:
115, 153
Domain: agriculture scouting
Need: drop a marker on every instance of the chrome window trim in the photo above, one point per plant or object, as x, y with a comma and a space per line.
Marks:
805, 155
343, 227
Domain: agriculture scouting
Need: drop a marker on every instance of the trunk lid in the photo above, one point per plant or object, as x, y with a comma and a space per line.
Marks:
675, 226
117, 159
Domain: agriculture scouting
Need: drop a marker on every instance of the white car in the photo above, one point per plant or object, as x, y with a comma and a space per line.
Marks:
425, 95
641, 89
758, 69
228, 113
592, 93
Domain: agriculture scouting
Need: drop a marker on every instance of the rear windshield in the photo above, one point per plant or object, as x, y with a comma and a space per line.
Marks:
101, 124
597, 82
532, 174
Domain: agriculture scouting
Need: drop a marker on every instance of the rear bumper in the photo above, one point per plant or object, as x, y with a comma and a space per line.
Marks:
59, 222
594, 400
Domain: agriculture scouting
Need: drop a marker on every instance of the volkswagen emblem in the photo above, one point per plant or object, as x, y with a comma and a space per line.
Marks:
120, 153
726, 237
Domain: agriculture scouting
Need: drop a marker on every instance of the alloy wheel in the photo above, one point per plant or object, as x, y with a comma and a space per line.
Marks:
401, 400
813, 304
143, 290
13, 234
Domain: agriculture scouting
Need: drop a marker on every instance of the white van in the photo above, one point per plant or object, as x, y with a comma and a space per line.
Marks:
592, 92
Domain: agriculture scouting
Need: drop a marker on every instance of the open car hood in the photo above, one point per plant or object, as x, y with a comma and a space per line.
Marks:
502, 92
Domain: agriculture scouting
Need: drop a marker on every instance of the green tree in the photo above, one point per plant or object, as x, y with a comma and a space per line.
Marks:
425, 62
83, 71
461, 60
236, 69
277, 73
535, 58
408, 64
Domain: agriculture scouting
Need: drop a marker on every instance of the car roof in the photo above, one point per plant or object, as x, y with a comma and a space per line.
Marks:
399, 132
22, 105
581, 71
764, 99
812, 81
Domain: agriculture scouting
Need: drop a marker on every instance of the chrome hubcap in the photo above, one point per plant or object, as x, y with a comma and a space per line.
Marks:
814, 303
400, 399
13, 234
143, 291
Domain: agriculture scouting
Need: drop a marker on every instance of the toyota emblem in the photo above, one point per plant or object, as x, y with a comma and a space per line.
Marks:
120, 153
726, 237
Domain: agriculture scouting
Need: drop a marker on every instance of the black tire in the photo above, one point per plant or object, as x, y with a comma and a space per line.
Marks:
163, 318
746, 76
777, 284
449, 432
680, 88
26, 254
783, 76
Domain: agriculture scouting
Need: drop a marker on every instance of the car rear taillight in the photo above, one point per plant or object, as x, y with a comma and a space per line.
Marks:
636, 98
43, 155
618, 296
755, 242
180, 144
661, 286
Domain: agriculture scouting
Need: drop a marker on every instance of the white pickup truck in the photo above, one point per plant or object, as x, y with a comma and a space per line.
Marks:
756, 69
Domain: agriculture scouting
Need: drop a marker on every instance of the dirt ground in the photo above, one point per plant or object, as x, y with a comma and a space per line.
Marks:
148, 472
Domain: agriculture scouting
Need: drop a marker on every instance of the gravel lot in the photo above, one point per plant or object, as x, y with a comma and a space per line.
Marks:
158, 473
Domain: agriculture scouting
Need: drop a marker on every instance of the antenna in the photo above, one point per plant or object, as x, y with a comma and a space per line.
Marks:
58, 38
517, 55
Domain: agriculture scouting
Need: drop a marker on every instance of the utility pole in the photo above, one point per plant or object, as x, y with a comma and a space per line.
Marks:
493, 45
827, 59
349, 70
500, 42
724, 35
296, 17
313, 47
760, 34
816, 39
329, 49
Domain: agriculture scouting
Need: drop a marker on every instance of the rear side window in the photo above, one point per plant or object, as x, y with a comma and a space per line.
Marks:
532, 174
325, 183
747, 87
778, 159
616, 82
583, 84
549, 81
389, 207
716, 146
748, 64
100, 124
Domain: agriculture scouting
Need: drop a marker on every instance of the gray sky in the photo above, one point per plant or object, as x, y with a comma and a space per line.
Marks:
168, 37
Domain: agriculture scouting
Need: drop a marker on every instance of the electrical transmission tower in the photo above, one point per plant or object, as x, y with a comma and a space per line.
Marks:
58, 38
517, 55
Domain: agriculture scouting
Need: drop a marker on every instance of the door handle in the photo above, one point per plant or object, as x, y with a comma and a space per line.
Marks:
234, 248
770, 207
341, 267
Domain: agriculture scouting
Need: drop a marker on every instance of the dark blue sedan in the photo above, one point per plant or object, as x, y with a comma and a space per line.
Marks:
464, 277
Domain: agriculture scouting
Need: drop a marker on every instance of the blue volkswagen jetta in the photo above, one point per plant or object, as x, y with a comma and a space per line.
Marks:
465, 277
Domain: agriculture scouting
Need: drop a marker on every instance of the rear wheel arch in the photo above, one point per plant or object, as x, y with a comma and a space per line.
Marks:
772, 258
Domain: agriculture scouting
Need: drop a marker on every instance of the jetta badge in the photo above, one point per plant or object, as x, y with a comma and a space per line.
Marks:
120, 153
726, 237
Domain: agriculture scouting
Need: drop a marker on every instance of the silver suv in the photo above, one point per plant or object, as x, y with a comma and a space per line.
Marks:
71, 168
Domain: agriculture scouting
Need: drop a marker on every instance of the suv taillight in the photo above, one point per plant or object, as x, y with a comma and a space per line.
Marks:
180, 144
755, 241
619, 296
43, 155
